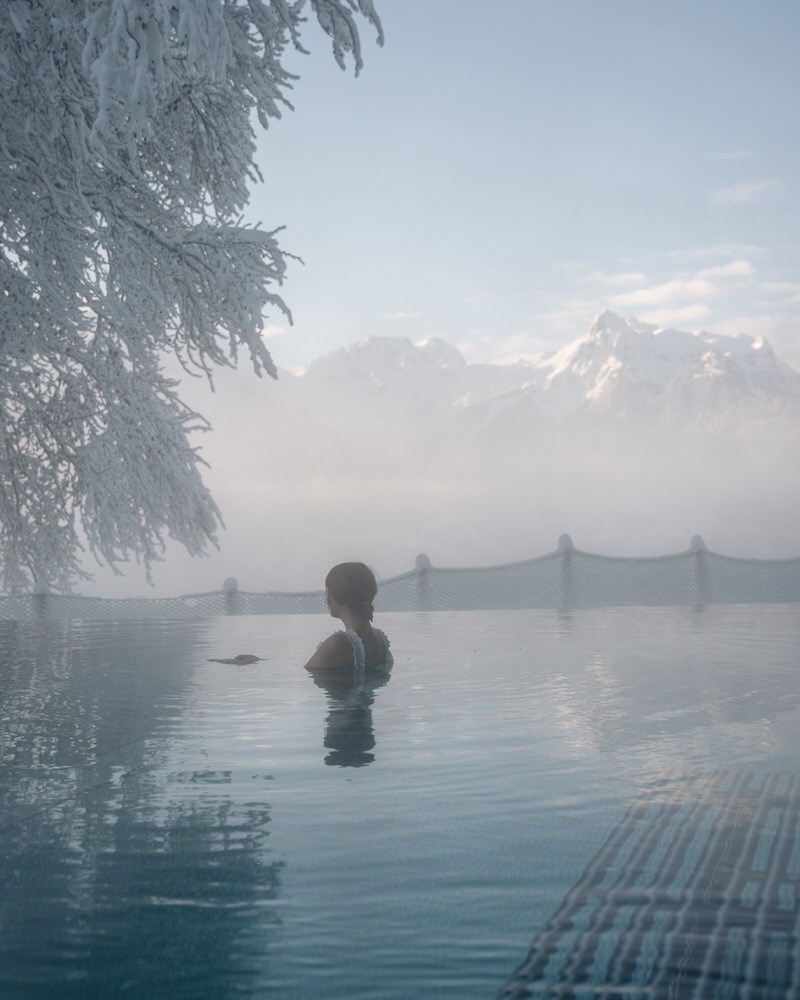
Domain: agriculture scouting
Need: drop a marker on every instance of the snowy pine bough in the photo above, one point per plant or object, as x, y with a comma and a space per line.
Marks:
127, 147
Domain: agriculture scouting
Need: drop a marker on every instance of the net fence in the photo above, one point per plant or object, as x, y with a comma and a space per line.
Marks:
567, 579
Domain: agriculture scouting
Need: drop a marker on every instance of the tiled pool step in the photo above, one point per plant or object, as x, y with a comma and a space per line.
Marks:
693, 895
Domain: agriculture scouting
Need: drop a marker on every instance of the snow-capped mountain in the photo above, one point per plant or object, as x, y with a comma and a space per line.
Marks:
626, 368
397, 369
632, 438
380, 361
621, 370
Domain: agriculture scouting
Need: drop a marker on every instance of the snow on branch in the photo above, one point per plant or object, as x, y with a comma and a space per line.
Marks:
126, 153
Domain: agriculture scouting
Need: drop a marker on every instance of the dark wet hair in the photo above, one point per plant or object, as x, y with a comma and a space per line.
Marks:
353, 584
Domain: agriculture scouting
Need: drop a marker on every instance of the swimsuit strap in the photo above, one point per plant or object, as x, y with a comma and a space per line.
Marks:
388, 659
360, 656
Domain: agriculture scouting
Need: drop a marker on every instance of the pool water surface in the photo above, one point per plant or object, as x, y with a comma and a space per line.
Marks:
533, 804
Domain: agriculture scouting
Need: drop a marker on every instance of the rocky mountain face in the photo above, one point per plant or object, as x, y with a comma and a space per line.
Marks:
622, 370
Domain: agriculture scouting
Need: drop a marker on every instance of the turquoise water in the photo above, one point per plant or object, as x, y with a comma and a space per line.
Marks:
174, 827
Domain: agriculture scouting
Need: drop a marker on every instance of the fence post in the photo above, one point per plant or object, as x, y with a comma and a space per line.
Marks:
567, 595
422, 564
701, 585
39, 594
230, 588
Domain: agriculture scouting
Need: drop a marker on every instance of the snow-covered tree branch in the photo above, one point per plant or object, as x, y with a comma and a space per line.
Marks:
126, 151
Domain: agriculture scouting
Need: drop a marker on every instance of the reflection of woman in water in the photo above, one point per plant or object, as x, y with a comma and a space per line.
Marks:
350, 589
349, 735
349, 665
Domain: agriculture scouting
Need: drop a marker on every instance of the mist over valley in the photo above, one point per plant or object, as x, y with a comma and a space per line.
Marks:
631, 438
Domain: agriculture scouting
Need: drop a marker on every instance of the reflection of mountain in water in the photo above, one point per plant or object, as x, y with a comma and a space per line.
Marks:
118, 876
670, 673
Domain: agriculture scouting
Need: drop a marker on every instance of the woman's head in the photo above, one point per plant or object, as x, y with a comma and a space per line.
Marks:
353, 585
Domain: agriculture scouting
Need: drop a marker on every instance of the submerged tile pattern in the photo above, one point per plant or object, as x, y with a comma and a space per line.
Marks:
694, 894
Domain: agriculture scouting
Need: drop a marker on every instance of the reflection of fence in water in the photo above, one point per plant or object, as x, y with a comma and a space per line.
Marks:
565, 579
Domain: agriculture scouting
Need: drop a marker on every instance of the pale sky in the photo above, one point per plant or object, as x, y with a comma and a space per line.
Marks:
496, 176
500, 173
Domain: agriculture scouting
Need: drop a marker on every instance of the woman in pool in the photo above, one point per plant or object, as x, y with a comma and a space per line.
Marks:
350, 589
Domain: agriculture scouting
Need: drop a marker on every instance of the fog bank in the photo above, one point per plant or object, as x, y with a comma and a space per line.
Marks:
305, 481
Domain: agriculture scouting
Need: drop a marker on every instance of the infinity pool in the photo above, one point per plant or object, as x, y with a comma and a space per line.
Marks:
533, 805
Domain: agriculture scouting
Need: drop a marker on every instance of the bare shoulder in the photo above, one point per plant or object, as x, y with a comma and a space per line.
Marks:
335, 651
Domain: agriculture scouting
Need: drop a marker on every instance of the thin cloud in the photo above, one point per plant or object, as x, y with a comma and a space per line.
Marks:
787, 291
686, 301
756, 325
567, 318
720, 250
680, 317
733, 269
690, 290
668, 292
686, 291
745, 193
397, 317
621, 280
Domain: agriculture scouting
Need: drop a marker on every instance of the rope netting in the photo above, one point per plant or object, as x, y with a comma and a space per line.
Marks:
566, 579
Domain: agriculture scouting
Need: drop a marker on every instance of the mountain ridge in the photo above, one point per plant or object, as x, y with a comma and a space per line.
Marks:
621, 369
630, 441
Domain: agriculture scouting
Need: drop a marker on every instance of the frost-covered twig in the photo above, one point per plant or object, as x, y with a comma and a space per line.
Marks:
126, 151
